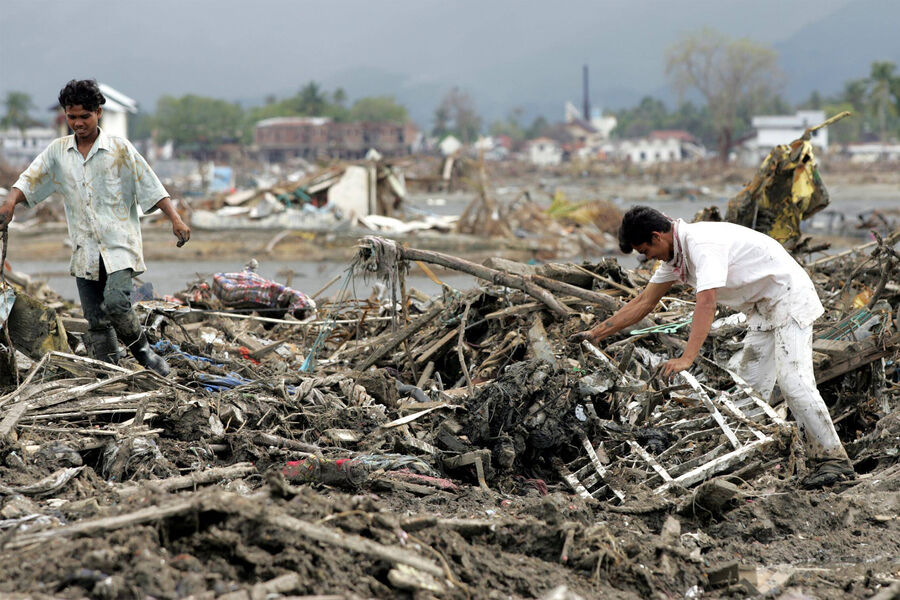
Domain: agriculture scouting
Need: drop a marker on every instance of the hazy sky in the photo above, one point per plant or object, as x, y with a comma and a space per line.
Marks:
505, 52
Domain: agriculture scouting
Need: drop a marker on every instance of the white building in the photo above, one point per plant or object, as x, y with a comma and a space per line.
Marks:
450, 145
20, 147
114, 120
589, 137
774, 130
116, 110
872, 152
660, 147
543, 152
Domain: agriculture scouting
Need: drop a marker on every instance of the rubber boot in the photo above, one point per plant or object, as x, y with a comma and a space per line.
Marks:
147, 358
103, 345
130, 331
827, 472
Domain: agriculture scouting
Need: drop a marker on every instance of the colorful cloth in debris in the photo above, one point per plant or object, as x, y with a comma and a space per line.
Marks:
246, 287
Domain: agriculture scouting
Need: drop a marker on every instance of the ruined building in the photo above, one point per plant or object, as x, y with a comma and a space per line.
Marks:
283, 138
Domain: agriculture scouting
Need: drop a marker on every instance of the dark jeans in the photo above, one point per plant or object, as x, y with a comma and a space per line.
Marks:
107, 298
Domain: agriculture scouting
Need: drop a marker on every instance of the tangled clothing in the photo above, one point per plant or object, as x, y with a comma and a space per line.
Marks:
102, 194
248, 288
784, 355
750, 271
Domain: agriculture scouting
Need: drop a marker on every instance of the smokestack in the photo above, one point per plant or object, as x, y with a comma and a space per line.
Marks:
587, 99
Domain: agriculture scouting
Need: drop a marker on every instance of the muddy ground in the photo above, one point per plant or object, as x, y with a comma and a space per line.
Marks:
424, 454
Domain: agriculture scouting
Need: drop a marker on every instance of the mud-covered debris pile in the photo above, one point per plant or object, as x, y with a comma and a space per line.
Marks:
452, 446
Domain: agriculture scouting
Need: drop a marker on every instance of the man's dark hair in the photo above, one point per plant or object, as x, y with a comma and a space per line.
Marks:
638, 226
85, 93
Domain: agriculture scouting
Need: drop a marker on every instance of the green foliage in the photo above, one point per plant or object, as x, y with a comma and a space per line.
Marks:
874, 102
883, 102
511, 126
734, 77
18, 105
651, 115
846, 130
540, 127
378, 109
198, 122
140, 126
313, 101
456, 115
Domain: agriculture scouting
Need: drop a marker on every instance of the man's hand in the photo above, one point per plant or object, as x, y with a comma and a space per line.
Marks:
6, 215
181, 231
591, 335
674, 366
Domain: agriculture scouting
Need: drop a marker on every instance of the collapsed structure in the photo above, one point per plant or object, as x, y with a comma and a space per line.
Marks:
424, 445
447, 446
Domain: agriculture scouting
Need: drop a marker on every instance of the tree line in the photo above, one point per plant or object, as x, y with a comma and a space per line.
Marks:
720, 83
200, 123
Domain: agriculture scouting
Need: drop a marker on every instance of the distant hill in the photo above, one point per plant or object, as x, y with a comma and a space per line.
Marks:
840, 46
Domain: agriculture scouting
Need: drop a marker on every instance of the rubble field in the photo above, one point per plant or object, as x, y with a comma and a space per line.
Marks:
395, 445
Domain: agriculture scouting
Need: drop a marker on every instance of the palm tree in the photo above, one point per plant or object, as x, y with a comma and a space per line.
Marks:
881, 84
312, 99
17, 104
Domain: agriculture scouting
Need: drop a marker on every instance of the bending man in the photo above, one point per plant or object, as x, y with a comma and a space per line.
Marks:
753, 273
103, 180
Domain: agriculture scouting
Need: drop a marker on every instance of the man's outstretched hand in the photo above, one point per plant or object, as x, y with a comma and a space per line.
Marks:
182, 232
674, 366
588, 335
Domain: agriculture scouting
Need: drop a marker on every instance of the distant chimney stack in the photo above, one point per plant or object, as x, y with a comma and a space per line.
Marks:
587, 99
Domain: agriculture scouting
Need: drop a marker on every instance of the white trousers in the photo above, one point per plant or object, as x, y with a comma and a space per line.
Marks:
784, 355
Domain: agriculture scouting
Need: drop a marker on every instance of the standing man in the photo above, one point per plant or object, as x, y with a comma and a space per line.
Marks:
103, 180
753, 273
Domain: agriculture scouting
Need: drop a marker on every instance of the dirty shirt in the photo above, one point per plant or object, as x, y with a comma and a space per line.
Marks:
750, 271
102, 194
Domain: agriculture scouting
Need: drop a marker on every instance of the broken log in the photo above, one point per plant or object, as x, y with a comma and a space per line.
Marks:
197, 478
402, 335
488, 274
866, 352
602, 300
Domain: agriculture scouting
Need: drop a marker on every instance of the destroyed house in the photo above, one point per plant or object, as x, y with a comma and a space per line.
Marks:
282, 138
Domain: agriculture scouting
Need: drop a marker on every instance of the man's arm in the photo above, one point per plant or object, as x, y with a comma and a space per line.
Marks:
14, 198
635, 310
179, 227
704, 314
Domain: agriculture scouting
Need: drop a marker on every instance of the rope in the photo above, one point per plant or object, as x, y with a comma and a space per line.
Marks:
3, 259
309, 363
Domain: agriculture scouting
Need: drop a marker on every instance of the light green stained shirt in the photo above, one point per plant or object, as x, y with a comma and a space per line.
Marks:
102, 194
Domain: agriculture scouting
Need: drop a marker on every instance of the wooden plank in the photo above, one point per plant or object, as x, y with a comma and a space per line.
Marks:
435, 346
756, 398
832, 347
191, 480
866, 354
402, 335
8, 425
144, 515
717, 465
650, 460
692, 381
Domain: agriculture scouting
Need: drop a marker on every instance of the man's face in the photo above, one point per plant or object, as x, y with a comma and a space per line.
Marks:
658, 248
83, 121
